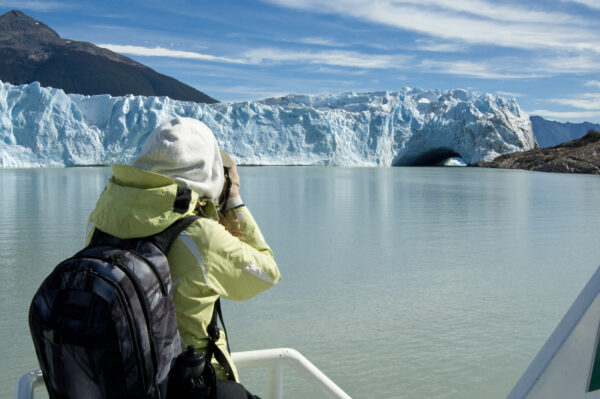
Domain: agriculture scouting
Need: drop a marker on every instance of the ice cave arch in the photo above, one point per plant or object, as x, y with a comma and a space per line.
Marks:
429, 157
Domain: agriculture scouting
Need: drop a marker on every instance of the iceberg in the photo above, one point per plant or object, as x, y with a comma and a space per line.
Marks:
44, 127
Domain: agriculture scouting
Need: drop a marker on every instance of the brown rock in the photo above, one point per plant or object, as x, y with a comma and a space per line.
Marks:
576, 156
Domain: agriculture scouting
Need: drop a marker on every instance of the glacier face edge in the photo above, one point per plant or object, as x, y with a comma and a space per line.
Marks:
42, 127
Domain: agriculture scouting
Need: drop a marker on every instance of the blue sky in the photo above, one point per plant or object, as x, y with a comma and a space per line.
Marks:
546, 54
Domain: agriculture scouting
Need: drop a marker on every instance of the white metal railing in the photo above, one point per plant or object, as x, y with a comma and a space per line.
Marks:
272, 359
27, 383
275, 359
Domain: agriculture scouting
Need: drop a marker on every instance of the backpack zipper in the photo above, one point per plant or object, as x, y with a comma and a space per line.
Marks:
145, 309
147, 261
163, 286
130, 319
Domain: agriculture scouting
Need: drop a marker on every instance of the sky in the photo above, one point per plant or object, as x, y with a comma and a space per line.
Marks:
544, 53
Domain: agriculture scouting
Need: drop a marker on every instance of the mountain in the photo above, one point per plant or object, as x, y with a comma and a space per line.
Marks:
576, 156
31, 51
46, 127
551, 133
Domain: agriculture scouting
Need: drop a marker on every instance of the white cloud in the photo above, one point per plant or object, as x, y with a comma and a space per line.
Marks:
517, 67
586, 101
567, 116
35, 5
514, 67
508, 94
235, 93
586, 107
321, 41
578, 64
470, 21
481, 70
492, 68
589, 3
268, 55
164, 52
450, 26
336, 71
592, 83
494, 11
439, 47
332, 58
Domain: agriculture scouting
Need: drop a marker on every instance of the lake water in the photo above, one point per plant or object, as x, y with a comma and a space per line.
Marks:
397, 282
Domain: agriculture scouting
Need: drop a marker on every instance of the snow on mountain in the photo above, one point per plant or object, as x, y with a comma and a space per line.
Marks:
46, 127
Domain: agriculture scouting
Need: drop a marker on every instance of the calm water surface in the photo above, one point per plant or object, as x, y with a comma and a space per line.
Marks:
397, 282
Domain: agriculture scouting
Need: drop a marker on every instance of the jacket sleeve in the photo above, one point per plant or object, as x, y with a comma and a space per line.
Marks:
235, 268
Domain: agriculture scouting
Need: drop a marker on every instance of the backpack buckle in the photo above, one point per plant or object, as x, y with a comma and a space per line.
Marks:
55, 337
213, 332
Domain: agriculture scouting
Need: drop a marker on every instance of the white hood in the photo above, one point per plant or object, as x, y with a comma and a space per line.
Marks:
185, 150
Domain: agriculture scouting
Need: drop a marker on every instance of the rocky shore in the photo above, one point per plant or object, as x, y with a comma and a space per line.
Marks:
576, 156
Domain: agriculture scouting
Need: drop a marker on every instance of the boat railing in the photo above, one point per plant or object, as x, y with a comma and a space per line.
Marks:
273, 360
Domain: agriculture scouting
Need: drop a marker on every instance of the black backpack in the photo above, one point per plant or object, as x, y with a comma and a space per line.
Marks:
103, 322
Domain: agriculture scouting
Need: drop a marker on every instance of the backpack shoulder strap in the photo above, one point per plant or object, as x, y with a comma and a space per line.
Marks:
167, 237
213, 335
163, 241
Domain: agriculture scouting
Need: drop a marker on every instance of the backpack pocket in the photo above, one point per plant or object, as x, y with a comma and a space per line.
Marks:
86, 339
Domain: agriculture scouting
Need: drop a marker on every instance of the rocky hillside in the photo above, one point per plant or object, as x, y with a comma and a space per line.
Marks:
31, 51
577, 156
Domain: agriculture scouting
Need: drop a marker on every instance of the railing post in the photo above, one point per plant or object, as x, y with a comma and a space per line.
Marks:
276, 381
27, 383
275, 359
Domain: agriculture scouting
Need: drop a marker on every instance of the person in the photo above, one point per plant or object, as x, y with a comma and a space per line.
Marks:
180, 172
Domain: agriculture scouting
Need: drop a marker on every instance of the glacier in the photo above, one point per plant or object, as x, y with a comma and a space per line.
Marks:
44, 127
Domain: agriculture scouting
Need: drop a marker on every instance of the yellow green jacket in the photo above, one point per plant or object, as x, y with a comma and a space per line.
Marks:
206, 261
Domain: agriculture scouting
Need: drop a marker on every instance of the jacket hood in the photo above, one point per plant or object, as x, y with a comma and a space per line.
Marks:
138, 203
185, 150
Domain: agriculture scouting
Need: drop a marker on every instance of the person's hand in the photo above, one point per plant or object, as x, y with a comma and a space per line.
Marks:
232, 224
234, 191
230, 197
229, 220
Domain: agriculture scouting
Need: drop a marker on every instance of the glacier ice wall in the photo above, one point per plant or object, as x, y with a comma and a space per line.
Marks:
46, 127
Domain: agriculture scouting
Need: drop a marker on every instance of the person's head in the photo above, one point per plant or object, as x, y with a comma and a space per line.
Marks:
185, 150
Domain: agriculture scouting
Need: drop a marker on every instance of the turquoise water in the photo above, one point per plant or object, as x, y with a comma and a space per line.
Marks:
397, 282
